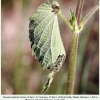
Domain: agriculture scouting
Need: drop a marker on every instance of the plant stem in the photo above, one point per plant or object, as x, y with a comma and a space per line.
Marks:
91, 13
79, 10
73, 52
65, 20
72, 64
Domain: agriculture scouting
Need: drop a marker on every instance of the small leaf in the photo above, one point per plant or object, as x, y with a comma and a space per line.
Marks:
45, 36
83, 17
72, 18
82, 22
71, 15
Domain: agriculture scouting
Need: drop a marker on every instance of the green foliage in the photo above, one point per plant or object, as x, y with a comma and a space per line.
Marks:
72, 18
22, 74
45, 37
82, 21
46, 41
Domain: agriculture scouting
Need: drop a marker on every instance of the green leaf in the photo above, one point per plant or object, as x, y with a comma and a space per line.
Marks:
72, 18
83, 17
82, 22
45, 37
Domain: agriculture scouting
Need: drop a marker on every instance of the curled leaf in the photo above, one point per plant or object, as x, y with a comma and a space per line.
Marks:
45, 36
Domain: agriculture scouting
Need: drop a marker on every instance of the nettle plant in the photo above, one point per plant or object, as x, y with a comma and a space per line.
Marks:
46, 42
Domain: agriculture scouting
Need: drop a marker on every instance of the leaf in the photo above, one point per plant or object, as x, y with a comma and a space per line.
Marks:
45, 37
82, 22
72, 18
83, 17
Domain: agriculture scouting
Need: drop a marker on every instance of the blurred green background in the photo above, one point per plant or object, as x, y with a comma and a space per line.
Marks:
20, 71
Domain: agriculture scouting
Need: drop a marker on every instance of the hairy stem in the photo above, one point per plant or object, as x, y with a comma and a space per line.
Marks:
73, 52
72, 64
91, 13
65, 20
79, 10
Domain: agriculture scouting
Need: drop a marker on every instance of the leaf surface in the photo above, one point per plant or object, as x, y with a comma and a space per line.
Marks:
45, 36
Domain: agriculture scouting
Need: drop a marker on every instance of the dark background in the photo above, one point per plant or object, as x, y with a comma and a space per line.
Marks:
20, 71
